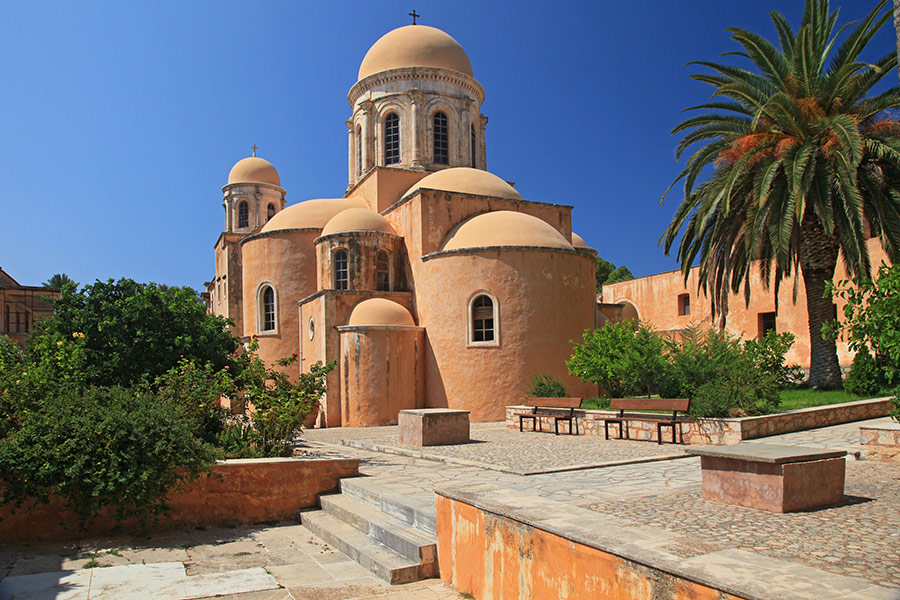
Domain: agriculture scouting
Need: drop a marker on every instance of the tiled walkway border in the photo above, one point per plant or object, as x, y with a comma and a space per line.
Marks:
726, 431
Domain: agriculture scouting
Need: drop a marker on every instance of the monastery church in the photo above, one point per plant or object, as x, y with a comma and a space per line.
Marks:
431, 282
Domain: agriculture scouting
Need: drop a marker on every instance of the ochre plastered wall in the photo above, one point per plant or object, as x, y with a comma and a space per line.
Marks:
286, 260
656, 300
496, 558
544, 298
380, 374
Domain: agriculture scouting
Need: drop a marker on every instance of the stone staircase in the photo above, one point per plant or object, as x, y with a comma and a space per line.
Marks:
390, 534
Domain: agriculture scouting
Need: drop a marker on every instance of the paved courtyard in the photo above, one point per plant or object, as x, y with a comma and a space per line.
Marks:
285, 561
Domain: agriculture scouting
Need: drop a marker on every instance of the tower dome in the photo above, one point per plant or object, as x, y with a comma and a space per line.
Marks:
254, 170
415, 46
467, 180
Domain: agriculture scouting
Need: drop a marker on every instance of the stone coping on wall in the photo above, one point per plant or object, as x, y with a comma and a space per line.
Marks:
654, 559
881, 442
730, 430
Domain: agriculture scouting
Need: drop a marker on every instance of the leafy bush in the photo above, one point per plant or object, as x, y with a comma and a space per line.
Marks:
138, 331
740, 390
622, 358
700, 356
195, 392
545, 385
105, 447
768, 352
865, 377
278, 406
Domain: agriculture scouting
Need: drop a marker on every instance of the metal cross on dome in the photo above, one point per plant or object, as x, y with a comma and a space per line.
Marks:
414, 15
253, 147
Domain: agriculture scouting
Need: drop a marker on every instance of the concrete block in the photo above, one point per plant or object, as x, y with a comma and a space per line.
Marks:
433, 427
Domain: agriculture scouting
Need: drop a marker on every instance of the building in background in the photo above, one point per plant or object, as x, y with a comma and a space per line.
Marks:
431, 282
21, 306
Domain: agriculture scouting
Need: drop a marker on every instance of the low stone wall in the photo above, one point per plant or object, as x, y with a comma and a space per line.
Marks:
722, 431
881, 442
237, 492
491, 545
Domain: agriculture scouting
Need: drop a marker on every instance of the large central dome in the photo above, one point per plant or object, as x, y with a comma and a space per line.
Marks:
415, 46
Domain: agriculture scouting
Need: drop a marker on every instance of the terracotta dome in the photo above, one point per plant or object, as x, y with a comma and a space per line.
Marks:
467, 181
415, 46
358, 219
379, 311
254, 170
578, 241
312, 213
504, 228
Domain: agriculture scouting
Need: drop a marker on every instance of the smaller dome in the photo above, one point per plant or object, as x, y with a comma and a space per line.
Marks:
379, 311
357, 219
467, 180
254, 170
311, 213
415, 46
504, 228
578, 241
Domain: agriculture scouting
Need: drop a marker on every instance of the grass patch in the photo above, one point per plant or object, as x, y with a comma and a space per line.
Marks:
807, 398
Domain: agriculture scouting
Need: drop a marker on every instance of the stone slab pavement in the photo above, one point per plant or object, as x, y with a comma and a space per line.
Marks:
277, 562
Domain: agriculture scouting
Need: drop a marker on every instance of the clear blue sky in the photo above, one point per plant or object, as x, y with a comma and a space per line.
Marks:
119, 121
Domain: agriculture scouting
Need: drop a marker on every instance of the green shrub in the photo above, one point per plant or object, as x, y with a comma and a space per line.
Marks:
622, 358
768, 352
740, 390
103, 448
545, 385
195, 392
699, 357
865, 377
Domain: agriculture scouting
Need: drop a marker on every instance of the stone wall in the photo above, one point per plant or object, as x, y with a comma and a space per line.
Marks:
721, 431
881, 442
237, 492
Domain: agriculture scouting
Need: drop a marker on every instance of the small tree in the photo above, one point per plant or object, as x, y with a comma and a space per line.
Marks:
607, 272
58, 280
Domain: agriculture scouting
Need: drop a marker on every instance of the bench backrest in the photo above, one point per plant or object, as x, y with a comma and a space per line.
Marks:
554, 402
673, 404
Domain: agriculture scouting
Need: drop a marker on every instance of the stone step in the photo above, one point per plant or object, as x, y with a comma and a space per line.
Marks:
371, 555
397, 535
412, 510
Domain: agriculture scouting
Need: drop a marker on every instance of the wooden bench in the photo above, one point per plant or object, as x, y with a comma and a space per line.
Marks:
771, 476
676, 405
551, 406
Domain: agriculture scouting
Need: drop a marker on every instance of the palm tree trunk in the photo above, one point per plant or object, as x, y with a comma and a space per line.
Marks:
818, 258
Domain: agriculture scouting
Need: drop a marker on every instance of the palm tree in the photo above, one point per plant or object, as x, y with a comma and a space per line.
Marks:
801, 164
58, 280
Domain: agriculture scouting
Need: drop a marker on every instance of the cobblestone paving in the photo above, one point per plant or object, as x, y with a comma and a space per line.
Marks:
529, 452
858, 538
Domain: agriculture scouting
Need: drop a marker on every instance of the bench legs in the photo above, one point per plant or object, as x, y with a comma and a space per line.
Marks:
662, 424
535, 422
618, 422
569, 419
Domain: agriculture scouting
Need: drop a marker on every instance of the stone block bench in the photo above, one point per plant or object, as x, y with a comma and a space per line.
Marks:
433, 426
771, 476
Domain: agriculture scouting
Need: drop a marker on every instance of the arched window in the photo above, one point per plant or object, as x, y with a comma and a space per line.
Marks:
482, 320
359, 165
270, 211
391, 139
382, 271
341, 270
472, 139
243, 214
441, 139
267, 309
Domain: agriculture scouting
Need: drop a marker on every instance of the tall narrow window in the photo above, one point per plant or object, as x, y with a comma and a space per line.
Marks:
359, 165
684, 304
243, 214
441, 140
268, 309
382, 272
766, 323
472, 141
482, 319
391, 139
341, 271
270, 211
